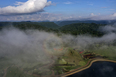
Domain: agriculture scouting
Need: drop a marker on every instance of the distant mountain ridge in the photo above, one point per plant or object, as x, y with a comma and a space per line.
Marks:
82, 28
74, 29
62, 23
51, 25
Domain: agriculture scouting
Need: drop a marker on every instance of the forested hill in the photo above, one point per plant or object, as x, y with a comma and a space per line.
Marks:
5, 23
23, 25
51, 25
74, 29
62, 23
82, 28
29, 25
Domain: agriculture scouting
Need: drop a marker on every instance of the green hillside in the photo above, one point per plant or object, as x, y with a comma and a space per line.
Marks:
62, 23
82, 28
51, 25
74, 29
28, 25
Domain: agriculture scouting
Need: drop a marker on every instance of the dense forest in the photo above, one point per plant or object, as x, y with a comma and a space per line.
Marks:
63, 23
74, 29
82, 28
51, 25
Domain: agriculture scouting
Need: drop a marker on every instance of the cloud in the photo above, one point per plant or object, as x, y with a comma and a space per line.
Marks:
45, 16
90, 4
108, 28
92, 14
30, 47
30, 6
49, 3
38, 17
102, 17
103, 7
112, 9
114, 14
19, 3
34, 49
68, 2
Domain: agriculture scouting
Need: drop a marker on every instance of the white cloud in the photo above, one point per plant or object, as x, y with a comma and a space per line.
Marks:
38, 17
68, 2
19, 3
92, 14
99, 13
79, 16
103, 7
45, 16
90, 4
114, 14
49, 3
103, 17
112, 9
25, 7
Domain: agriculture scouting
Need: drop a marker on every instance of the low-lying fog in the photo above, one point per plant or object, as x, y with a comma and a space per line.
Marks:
34, 45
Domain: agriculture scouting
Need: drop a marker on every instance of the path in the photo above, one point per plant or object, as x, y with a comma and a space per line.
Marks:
5, 72
48, 65
90, 62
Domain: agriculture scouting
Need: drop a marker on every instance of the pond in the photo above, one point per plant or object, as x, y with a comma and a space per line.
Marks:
98, 69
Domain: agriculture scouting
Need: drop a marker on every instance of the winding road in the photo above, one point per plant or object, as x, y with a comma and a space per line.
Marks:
90, 62
5, 72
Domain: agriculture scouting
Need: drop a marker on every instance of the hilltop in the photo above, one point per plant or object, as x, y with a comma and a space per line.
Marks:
82, 28
74, 29
62, 23
51, 25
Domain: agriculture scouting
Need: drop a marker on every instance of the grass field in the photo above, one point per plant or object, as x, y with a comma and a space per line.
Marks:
110, 52
73, 57
35, 69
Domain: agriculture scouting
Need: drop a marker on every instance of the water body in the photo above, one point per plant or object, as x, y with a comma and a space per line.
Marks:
98, 69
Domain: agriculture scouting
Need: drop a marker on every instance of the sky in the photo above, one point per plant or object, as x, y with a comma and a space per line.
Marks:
57, 10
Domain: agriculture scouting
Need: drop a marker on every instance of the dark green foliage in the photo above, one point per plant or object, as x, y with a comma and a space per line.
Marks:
74, 29
5, 23
29, 26
82, 28
16, 72
51, 25
62, 23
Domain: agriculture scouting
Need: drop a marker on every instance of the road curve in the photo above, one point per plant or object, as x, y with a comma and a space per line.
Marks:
5, 72
90, 62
